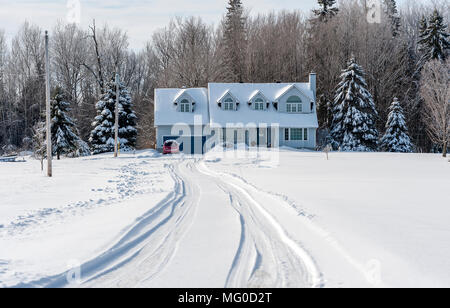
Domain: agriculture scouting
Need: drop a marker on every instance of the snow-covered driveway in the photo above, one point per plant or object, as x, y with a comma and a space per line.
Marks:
234, 242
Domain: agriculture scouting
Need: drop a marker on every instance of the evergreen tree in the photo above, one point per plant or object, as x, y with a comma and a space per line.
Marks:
392, 13
235, 40
102, 136
434, 39
64, 139
396, 138
354, 113
326, 11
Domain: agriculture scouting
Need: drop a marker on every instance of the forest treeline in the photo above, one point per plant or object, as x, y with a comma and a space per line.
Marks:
284, 46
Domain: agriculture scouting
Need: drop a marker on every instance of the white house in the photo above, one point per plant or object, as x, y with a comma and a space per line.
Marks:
258, 115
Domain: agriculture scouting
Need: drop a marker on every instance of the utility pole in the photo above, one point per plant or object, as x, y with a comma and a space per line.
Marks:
116, 134
48, 119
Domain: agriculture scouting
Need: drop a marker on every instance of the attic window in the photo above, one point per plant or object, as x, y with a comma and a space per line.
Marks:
259, 104
185, 106
294, 105
228, 104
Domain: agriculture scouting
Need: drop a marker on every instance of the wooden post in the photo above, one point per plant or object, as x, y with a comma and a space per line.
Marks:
48, 108
116, 126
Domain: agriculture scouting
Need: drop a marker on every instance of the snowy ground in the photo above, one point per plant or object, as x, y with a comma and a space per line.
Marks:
288, 219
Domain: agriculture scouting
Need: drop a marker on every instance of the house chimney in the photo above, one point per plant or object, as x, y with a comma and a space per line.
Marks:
313, 83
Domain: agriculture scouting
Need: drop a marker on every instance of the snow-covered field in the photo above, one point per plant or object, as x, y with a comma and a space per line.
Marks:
287, 219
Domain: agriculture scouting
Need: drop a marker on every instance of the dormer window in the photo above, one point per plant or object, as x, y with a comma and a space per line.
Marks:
228, 104
294, 105
184, 102
258, 101
259, 104
185, 106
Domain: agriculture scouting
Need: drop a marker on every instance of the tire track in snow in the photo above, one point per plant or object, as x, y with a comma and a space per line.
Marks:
267, 256
368, 271
144, 250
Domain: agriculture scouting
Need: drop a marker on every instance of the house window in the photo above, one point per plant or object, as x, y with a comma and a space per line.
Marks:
305, 134
228, 104
259, 104
296, 134
294, 108
286, 134
185, 106
294, 105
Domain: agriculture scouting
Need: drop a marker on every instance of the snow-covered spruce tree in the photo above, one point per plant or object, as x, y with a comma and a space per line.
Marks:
65, 138
354, 113
396, 138
102, 136
326, 11
434, 40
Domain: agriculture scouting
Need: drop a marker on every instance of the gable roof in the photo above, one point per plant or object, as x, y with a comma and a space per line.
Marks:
256, 93
286, 89
182, 93
228, 92
166, 112
246, 115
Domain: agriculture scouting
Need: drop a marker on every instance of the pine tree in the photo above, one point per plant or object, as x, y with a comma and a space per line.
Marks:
434, 40
354, 113
326, 11
396, 138
235, 40
392, 13
102, 136
64, 139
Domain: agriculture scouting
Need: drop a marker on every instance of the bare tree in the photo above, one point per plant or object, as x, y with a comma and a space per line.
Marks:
4, 108
68, 50
186, 53
266, 61
435, 90
98, 73
26, 69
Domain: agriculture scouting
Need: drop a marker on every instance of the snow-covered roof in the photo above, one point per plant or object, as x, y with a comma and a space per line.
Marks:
166, 111
180, 94
247, 115
225, 94
258, 93
306, 91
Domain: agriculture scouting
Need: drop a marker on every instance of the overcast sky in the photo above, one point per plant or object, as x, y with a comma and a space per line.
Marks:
139, 17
